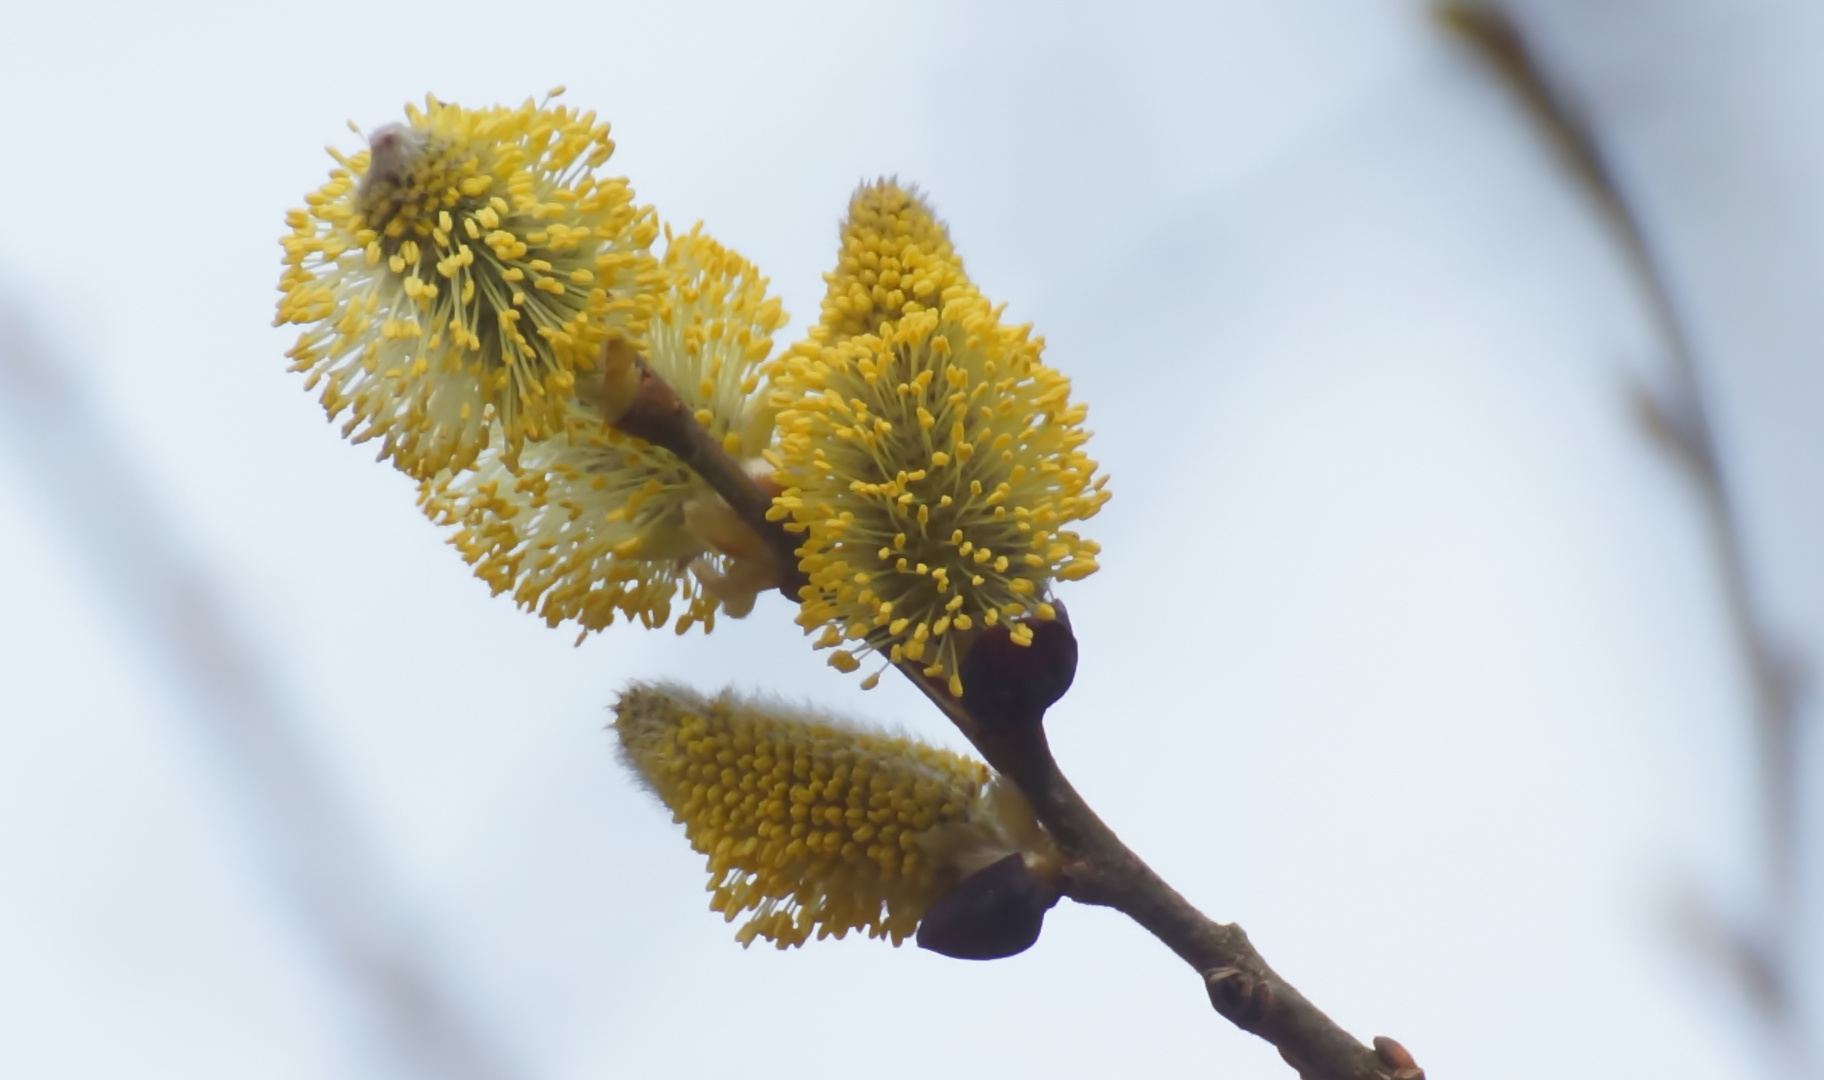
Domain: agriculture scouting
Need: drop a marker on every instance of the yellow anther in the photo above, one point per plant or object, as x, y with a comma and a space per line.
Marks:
904, 335
444, 157
791, 831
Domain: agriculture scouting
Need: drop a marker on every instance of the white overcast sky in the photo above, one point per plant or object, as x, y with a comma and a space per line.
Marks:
1407, 653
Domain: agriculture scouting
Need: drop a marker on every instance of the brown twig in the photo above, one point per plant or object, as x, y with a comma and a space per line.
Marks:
1679, 417
1098, 867
658, 416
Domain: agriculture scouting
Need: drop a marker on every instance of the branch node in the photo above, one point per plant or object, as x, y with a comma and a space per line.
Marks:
1242, 999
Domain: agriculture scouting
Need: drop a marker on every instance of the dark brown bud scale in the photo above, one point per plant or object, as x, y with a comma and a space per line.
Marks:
1006, 684
993, 913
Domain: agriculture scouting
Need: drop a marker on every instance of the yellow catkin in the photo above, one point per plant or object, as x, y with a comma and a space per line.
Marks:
927, 455
895, 259
592, 524
812, 825
458, 274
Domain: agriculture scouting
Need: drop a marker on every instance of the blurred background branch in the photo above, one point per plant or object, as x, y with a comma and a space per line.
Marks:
1757, 957
319, 858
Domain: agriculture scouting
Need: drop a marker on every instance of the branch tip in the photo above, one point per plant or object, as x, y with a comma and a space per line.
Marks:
1398, 1057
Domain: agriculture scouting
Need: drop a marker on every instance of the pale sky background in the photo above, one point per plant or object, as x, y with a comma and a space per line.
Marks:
1407, 653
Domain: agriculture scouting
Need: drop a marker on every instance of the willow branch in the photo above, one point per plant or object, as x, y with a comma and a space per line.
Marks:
1098, 867
658, 415
1679, 416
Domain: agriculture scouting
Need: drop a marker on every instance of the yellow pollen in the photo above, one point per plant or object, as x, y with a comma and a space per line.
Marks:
587, 527
358, 272
812, 826
912, 412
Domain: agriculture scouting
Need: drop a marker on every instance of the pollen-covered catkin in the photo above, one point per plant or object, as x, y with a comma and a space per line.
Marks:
815, 826
929, 457
592, 524
458, 274
895, 259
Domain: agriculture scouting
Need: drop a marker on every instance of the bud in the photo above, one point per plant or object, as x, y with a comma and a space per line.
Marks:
1010, 684
995, 912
